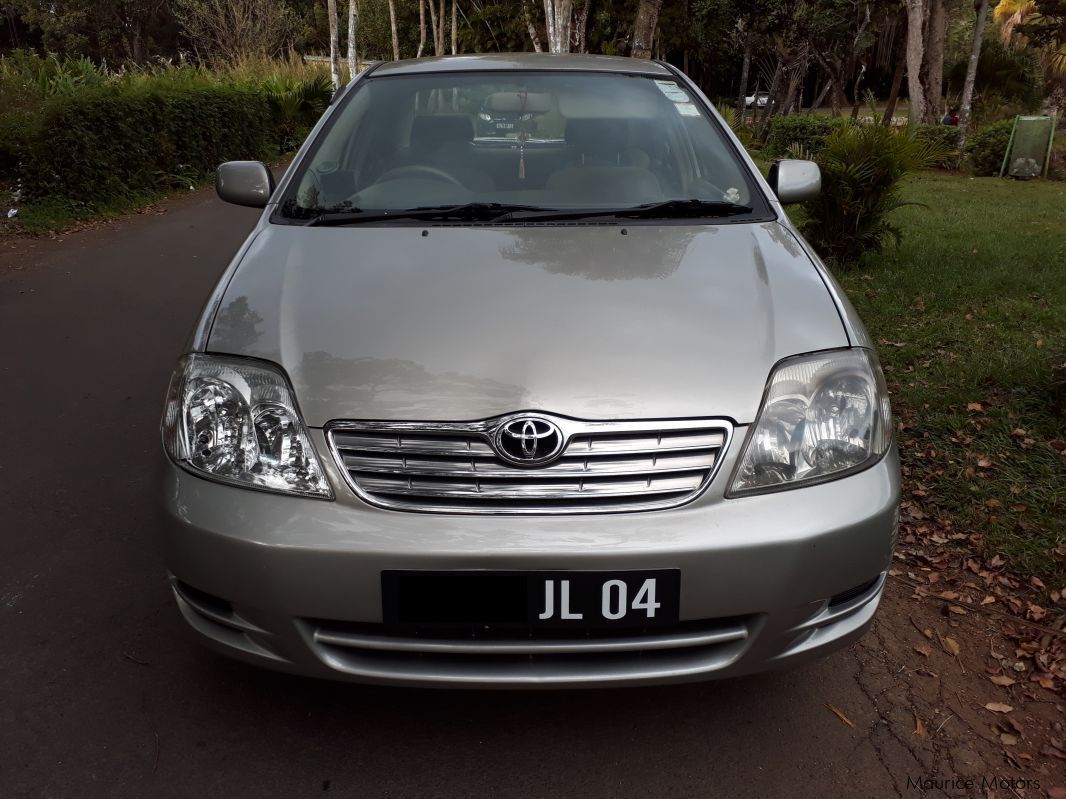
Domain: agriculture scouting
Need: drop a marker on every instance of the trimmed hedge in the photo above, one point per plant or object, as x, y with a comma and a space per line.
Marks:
111, 142
986, 147
800, 130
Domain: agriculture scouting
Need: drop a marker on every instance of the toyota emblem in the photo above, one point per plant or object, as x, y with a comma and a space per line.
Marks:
528, 440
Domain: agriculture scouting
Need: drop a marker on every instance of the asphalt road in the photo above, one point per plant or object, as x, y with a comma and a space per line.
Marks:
102, 692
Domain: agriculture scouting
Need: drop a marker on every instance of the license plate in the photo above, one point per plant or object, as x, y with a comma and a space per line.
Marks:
546, 599
505, 126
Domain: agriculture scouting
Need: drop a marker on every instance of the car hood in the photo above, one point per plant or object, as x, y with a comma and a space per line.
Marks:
460, 323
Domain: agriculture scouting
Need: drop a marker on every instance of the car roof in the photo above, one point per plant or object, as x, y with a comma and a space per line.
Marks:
522, 61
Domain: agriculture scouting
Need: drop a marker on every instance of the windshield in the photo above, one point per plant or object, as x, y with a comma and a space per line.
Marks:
523, 142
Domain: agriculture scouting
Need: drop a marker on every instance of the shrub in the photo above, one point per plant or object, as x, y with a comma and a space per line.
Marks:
945, 138
115, 142
861, 170
801, 131
79, 137
986, 148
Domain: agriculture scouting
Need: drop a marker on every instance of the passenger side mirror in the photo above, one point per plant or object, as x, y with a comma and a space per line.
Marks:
244, 183
795, 181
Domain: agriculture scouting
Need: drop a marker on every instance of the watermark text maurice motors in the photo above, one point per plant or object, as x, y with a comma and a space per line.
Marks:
983, 782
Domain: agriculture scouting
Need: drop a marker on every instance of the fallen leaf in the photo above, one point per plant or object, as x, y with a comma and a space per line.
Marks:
919, 728
949, 595
1045, 680
998, 707
993, 503
975, 406
988, 600
984, 463
923, 649
840, 714
952, 646
1036, 582
1002, 680
1008, 740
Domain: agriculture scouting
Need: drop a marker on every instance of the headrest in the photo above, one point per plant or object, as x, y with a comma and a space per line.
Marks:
430, 131
596, 135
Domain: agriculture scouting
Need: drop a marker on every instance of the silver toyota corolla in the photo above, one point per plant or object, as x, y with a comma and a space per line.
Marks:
551, 393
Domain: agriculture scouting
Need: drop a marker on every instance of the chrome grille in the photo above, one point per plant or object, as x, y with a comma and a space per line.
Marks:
604, 466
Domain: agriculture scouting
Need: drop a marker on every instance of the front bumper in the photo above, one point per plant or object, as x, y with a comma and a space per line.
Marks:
294, 584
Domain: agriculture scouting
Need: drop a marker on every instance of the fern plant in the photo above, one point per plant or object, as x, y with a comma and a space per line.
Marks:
862, 167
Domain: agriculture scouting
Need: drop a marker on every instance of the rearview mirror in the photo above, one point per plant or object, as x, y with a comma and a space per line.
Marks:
795, 181
244, 183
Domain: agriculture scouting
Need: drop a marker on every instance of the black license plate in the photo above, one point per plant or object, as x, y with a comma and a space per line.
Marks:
556, 599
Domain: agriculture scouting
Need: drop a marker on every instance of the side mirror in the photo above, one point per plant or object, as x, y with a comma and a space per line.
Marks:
244, 183
795, 181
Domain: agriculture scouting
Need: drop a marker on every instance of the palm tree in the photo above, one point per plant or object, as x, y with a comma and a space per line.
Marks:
1013, 14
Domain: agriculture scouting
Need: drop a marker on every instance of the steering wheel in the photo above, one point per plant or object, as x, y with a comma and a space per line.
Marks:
414, 170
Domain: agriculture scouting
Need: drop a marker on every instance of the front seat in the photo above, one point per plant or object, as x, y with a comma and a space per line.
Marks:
443, 141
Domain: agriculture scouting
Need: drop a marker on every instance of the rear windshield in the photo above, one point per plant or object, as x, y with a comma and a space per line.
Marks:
546, 140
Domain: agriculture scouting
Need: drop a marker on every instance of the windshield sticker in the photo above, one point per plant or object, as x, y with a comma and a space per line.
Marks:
672, 91
687, 109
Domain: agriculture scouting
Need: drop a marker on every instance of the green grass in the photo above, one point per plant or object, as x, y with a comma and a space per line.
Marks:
971, 308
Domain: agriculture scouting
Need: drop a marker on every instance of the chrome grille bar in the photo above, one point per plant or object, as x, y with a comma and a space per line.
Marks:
603, 467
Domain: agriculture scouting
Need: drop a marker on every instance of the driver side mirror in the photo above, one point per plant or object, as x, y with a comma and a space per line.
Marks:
244, 183
795, 181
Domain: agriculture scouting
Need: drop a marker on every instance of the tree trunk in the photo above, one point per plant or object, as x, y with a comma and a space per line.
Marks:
433, 27
334, 44
933, 60
533, 35
557, 15
820, 97
441, 20
916, 11
353, 26
856, 98
644, 28
745, 67
421, 27
395, 32
966, 103
455, 29
581, 19
893, 94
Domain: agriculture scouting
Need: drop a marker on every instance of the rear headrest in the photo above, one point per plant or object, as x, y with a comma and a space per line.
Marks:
430, 131
596, 135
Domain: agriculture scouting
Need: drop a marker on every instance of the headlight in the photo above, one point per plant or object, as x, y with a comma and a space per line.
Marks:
235, 421
824, 416
484, 116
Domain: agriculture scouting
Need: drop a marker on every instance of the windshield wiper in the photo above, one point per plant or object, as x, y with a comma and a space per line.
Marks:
467, 212
670, 209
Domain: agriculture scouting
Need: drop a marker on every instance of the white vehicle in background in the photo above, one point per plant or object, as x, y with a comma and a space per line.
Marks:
757, 100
